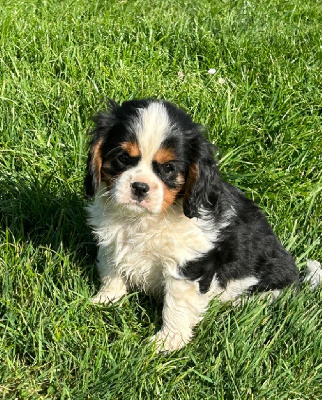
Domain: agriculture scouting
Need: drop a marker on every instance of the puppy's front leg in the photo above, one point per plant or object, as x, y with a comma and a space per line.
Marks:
182, 310
111, 290
113, 286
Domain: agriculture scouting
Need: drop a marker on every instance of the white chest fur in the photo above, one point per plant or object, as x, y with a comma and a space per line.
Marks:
145, 247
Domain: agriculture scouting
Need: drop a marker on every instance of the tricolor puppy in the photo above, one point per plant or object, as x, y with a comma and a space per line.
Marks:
168, 225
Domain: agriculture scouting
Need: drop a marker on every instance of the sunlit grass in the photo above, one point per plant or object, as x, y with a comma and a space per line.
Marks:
59, 60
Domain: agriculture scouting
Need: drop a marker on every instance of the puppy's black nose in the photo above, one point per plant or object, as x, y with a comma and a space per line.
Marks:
140, 190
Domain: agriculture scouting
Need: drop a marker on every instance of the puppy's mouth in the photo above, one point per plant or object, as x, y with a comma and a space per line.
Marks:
136, 205
140, 203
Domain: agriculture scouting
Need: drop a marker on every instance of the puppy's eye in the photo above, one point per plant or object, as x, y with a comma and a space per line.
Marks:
168, 168
124, 159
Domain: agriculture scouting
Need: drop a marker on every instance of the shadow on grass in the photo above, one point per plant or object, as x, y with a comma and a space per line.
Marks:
47, 214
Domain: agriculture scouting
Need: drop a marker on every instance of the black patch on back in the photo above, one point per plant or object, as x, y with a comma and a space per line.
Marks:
247, 247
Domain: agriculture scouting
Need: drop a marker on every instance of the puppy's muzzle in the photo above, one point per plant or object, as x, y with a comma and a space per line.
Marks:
139, 190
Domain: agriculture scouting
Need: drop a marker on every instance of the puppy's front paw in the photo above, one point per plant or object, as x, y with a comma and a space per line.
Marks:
105, 298
166, 341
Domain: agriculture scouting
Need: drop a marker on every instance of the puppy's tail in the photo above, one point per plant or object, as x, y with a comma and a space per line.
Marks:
313, 274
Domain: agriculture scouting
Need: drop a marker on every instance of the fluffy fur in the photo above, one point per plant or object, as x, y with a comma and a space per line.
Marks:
167, 224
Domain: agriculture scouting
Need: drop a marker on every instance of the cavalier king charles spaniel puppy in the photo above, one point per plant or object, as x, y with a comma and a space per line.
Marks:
168, 225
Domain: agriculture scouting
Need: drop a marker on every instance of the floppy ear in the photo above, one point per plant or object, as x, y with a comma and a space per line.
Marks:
93, 169
104, 121
203, 180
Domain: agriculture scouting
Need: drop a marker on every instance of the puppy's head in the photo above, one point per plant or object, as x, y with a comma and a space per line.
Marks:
147, 154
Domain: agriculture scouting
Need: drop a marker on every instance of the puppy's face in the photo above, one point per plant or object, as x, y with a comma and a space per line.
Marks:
139, 152
148, 153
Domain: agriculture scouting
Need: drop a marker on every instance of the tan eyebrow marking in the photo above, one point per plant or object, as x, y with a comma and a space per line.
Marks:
165, 155
132, 149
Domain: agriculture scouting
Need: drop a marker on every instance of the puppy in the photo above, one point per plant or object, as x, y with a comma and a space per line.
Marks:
168, 225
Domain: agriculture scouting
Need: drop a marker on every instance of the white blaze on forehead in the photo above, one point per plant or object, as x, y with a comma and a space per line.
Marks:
152, 130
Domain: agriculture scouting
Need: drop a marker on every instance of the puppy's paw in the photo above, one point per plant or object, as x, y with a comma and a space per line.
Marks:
166, 341
313, 274
105, 298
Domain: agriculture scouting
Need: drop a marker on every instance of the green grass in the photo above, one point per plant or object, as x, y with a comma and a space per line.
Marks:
59, 60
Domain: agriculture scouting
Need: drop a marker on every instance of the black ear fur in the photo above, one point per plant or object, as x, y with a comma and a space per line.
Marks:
104, 121
202, 183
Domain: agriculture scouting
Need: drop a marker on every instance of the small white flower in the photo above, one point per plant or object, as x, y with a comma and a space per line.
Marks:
221, 81
211, 71
180, 75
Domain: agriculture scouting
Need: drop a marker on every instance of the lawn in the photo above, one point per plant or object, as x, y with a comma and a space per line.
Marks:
262, 106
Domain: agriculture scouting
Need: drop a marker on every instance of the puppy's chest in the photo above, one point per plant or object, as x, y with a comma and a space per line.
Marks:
147, 252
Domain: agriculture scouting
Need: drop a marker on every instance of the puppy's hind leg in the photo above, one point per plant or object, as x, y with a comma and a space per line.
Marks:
182, 310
